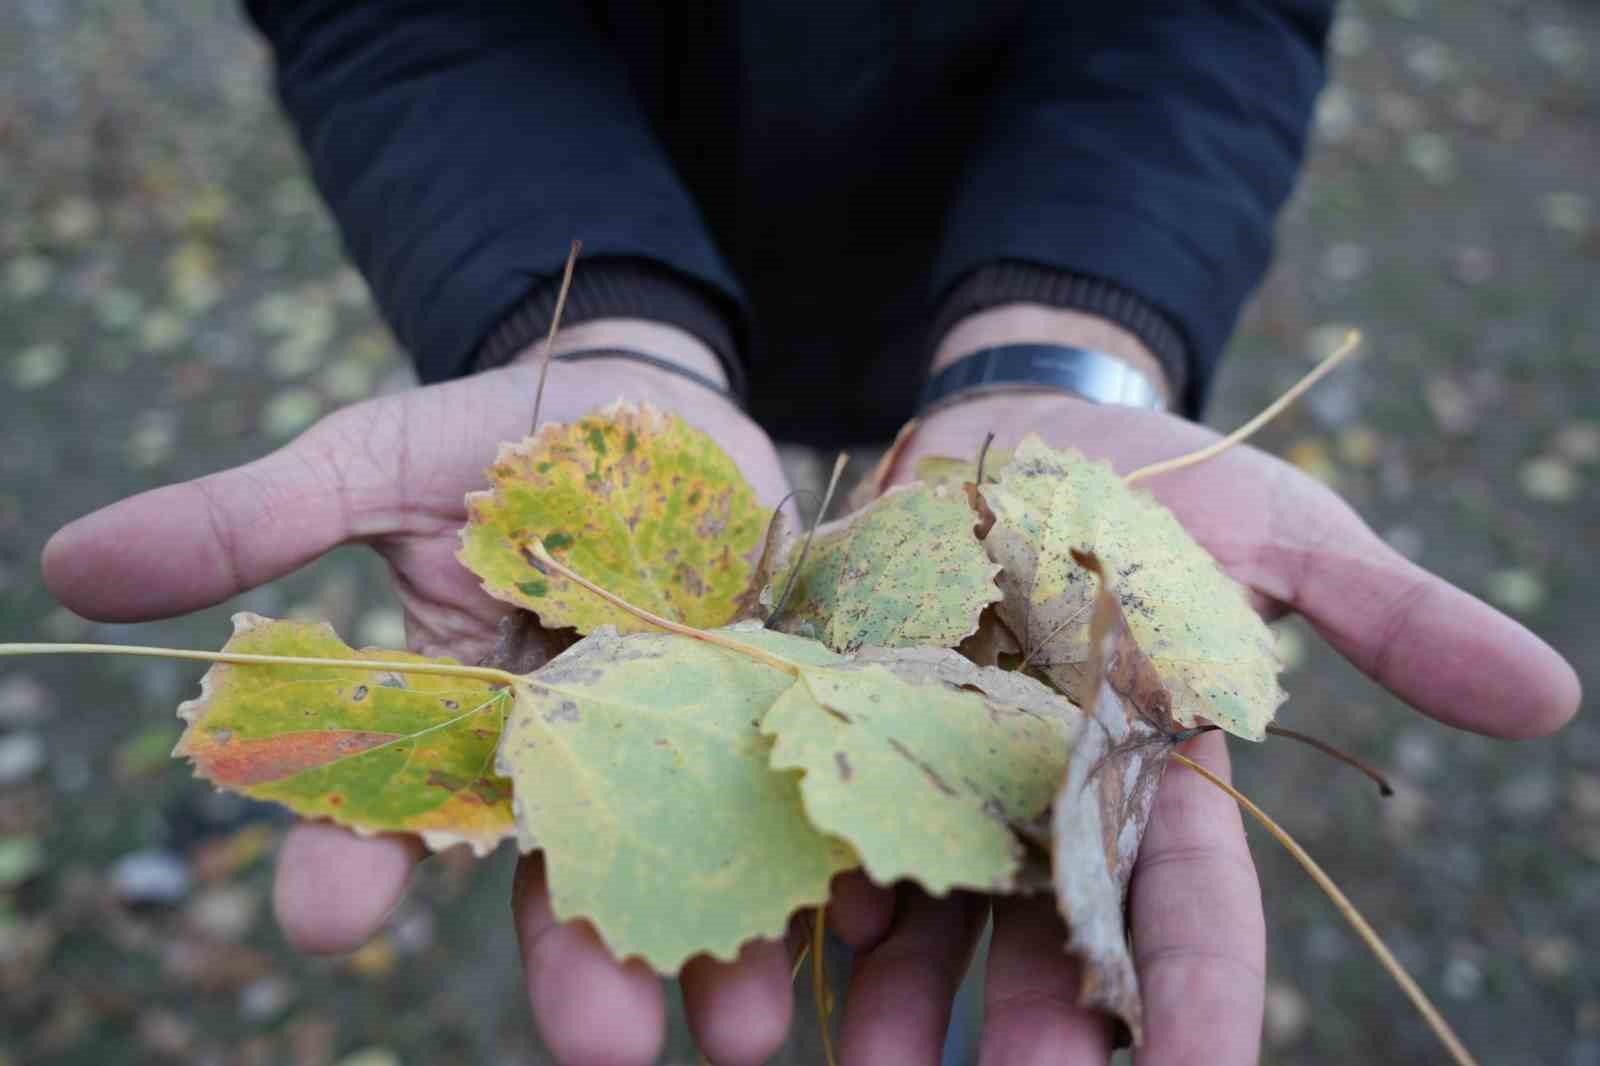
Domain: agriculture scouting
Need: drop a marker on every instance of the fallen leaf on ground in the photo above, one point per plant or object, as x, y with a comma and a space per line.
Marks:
375, 751
632, 498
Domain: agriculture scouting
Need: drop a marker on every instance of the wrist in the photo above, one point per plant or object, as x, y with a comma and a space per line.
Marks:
667, 343
1024, 323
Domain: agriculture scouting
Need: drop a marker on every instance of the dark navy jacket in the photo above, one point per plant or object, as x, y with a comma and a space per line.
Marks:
804, 184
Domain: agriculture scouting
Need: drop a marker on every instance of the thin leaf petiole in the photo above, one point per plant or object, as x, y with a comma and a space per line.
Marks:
480, 673
1351, 341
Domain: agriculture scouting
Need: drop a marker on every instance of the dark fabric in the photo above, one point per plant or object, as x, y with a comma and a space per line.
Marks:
831, 172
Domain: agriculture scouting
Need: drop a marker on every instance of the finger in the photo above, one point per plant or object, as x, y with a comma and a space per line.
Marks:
897, 1008
859, 912
188, 546
333, 889
1198, 933
1031, 1015
1440, 649
739, 1012
589, 1007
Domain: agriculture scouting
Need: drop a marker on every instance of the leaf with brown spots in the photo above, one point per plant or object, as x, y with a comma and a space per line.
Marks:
642, 774
634, 499
377, 752
1194, 621
906, 571
1101, 811
924, 763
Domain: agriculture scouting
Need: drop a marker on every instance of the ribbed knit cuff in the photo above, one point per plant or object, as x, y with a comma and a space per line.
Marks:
618, 287
1014, 281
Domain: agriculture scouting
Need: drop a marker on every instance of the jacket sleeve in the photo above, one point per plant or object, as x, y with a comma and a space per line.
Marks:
462, 145
1138, 152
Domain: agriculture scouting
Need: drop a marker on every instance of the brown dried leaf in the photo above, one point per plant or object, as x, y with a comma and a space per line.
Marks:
1103, 806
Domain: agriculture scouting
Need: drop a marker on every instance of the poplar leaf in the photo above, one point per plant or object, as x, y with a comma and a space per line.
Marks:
904, 571
641, 772
375, 751
924, 763
1194, 622
634, 499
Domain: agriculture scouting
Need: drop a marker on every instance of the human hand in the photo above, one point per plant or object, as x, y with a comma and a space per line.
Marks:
392, 473
1201, 965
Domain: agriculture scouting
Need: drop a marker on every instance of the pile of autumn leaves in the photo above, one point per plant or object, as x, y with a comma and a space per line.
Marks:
691, 794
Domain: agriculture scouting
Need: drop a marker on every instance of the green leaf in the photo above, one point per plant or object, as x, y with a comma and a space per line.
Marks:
632, 498
1194, 621
924, 762
906, 570
641, 772
376, 751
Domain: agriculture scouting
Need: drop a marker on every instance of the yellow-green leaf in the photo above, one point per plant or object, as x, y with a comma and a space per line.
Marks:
905, 571
632, 498
376, 751
923, 762
943, 471
1194, 621
641, 772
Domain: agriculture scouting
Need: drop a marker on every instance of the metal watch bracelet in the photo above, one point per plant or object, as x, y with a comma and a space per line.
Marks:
1083, 372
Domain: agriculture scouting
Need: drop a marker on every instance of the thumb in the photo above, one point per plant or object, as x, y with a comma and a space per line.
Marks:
188, 546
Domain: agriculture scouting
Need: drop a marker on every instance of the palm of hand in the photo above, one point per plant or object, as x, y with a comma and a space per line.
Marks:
1194, 904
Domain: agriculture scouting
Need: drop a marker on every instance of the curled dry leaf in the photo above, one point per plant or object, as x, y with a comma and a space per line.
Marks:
633, 498
377, 752
1194, 622
641, 772
1101, 811
924, 763
905, 571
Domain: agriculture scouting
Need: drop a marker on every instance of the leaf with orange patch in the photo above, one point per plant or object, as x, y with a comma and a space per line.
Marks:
376, 751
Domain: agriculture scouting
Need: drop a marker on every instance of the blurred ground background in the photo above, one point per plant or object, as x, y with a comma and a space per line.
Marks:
172, 300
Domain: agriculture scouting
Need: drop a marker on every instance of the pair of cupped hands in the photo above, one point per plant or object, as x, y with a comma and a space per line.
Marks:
392, 473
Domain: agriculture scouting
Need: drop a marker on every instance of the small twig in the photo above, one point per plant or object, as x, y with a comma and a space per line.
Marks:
542, 561
1419, 999
1273, 410
819, 981
555, 324
479, 673
1384, 788
805, 545
983, 454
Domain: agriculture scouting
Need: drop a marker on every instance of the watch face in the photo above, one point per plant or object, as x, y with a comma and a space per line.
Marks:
1084, 372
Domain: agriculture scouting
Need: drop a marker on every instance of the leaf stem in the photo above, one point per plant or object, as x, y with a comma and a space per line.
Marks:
1419, 999
1384, 788
819, 981
805, 545
546, 564
555, 324
1273, 410
480, 673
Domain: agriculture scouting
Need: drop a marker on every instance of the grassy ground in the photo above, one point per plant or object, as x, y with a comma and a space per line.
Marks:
172, 300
